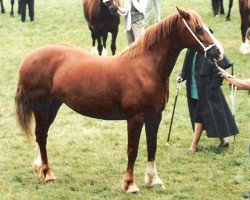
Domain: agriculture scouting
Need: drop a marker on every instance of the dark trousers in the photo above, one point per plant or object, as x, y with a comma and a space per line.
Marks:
23, 5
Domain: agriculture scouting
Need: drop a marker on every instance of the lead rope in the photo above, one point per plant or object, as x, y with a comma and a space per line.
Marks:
232, 97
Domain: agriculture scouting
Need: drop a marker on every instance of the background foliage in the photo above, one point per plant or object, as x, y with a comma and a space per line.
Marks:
89, 156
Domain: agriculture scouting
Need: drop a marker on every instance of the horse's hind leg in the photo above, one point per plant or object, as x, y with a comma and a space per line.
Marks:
134, 131
113, 41
151, 126
2, 7
44, 111
12, 5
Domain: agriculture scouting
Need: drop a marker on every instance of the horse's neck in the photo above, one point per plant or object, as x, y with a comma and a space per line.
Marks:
164, 55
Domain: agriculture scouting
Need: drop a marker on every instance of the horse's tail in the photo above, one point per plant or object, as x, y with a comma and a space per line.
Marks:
23, 112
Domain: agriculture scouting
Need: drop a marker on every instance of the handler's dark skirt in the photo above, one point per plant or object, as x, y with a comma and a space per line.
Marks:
197, 110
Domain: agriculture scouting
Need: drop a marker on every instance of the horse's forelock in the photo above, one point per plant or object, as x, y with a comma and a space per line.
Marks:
195, 20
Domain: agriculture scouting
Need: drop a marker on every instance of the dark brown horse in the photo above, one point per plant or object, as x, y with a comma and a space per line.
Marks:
132, 86
22, 4
218, 8
244, 7
102, 17
12, 2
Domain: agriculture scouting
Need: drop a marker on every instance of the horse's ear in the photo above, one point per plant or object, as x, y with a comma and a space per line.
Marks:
185, 15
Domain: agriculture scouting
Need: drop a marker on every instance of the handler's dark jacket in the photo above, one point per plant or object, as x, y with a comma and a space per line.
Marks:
217, 118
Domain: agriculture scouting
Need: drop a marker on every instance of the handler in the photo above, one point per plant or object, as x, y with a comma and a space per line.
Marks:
208, 108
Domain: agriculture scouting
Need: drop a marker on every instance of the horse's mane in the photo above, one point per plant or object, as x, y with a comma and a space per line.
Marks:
154, 34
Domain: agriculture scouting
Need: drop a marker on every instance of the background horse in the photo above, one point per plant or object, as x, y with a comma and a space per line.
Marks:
218, 8
102, 17
12, 2
244, 7
131, 86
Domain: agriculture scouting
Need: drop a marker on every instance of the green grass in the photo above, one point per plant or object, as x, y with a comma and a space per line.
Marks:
89, 156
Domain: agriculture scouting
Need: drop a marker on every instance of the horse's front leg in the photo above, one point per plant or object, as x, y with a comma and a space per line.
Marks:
151, 126
12, 5
134, 131
113, 41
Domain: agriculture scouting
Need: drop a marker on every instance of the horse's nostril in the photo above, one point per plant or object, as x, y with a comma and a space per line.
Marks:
114, 9
218, 51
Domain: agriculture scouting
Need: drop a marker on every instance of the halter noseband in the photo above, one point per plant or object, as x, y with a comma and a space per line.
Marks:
205, 49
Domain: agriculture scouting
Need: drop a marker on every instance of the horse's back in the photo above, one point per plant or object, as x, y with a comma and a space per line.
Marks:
40, 66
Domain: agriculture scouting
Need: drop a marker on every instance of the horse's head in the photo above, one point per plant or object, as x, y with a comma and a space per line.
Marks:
111, 5
194, 34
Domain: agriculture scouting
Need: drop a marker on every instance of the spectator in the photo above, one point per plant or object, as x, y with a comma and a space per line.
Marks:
133, 12
157, 5
23, 5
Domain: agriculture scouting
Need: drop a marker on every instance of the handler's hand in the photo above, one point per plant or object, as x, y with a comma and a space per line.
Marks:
179, 79
224, 74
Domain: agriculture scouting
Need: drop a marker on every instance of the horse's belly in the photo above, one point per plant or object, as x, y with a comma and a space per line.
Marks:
99, 111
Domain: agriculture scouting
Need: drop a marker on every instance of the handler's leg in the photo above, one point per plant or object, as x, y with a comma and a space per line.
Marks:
198, 128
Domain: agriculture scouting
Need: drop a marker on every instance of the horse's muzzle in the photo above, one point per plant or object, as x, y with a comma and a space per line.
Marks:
113, 9
215, 53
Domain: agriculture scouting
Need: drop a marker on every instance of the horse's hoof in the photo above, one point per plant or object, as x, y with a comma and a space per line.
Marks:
49, 177
50, 181
133, 189
154, 182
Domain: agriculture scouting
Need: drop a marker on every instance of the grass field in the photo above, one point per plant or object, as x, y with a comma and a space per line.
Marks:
89, 156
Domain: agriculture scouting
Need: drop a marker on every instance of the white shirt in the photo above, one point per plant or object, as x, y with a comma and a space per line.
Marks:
140, 5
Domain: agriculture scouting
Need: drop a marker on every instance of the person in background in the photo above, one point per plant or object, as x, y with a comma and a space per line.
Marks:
23, 4
157, 5
134, 17
208, 108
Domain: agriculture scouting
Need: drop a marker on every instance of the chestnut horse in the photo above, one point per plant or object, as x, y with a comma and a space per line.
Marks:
132, 86
244, 7
218, 8
102, 17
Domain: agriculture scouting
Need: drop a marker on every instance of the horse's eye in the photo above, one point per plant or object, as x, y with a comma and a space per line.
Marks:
199, 30
106, 2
